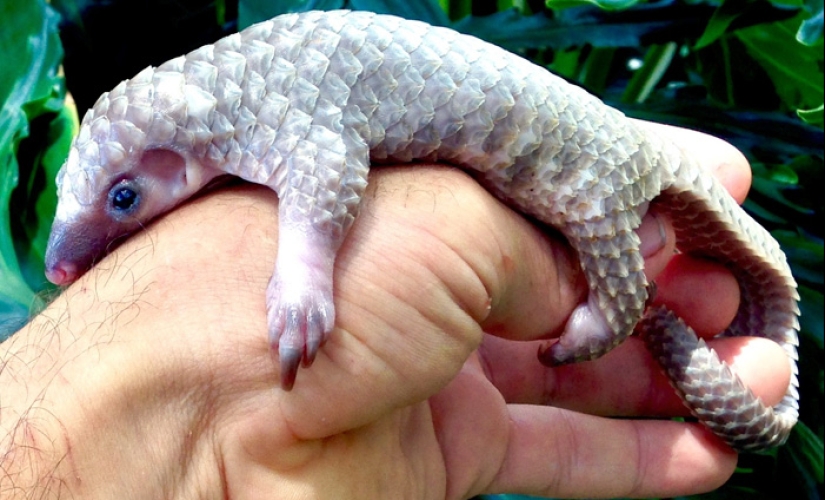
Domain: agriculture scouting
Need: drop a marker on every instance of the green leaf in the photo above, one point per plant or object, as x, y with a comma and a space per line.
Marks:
15, 294
812, 319
596, 69
721, 20
71, 9
774, 189
804, 255
812, 116
783, 174
520, 5
459, 9
810, 31
644, 80
571, 28
805, 449
254, 11
29, 87
602, 4
35, 199
795, 69
428, 11
654, 23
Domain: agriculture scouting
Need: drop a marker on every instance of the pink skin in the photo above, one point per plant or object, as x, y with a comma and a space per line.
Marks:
300, 309
62, 273
68, 257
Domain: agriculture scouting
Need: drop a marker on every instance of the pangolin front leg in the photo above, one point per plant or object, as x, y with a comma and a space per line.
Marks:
327, 178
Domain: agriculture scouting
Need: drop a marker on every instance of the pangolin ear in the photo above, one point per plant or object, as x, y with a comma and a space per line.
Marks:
166, 167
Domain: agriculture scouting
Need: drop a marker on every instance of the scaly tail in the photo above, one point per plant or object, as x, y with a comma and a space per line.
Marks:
708, 222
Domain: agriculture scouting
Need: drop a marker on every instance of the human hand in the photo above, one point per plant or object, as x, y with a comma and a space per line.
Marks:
151, 377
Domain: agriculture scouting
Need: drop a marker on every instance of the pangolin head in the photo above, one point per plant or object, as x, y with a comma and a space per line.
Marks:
125, 167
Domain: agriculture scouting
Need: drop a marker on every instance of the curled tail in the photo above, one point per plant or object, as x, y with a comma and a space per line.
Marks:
709, 223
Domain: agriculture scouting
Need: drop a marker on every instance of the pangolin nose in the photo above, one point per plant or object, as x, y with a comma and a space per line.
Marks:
62, 273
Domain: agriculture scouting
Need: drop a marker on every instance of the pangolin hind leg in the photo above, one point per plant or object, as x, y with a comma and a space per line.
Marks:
609, 253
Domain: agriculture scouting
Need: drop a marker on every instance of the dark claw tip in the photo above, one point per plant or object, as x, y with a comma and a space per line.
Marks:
309, 355
290, 359
652, 290
544, 355
549, 356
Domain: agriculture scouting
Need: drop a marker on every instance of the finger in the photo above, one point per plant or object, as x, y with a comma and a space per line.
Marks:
726, 163
554, 452
515, 282
706, 295
431, 256
626, 381
658, 243
536, 302
493, 267
703, 293
716, 156
422, 320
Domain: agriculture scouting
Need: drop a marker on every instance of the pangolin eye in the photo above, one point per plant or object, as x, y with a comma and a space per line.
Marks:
124, 198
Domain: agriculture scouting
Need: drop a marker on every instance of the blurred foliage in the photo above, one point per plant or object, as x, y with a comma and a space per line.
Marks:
34, 132
749, 71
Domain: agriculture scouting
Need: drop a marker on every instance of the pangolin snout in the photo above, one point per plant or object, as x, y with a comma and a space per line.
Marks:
68, 257
62, 273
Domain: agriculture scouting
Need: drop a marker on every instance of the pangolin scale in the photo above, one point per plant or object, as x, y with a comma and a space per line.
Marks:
304, 102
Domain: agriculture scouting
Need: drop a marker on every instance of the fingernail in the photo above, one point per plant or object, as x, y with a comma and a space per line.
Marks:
653, 235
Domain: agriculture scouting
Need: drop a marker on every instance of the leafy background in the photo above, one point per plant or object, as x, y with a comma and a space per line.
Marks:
750, 71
